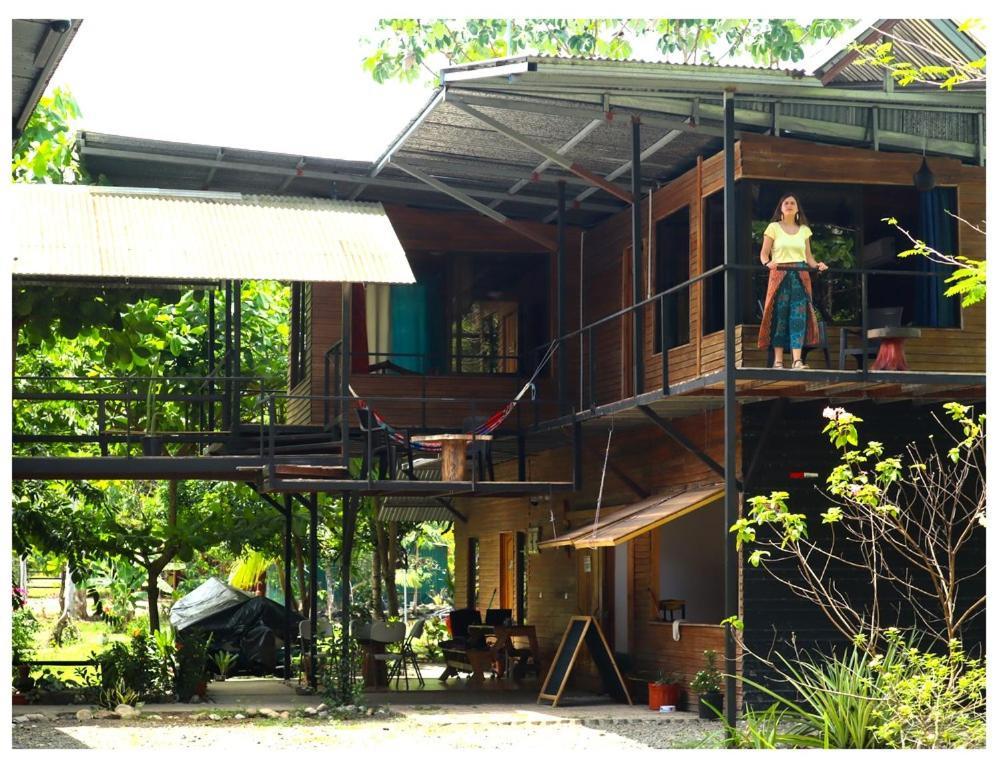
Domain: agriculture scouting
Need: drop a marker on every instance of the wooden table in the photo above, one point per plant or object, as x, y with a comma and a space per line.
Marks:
453, 451
891, 354
498, 654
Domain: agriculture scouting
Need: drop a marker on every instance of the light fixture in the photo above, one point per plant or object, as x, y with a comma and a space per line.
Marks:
923, 179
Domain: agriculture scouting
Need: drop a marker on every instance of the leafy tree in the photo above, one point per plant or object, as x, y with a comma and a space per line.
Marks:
968, 278
46, 151
903, 525
405, 49
953, 72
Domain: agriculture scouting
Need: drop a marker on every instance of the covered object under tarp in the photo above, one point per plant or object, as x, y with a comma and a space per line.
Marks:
252, 628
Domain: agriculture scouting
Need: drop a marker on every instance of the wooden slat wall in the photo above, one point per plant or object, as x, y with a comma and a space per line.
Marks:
421, 230
764, 157
650, 459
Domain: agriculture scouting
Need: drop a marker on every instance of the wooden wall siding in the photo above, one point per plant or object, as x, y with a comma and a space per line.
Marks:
767, 158
299, 411
652, 645
327, 322
649, 458
770, 611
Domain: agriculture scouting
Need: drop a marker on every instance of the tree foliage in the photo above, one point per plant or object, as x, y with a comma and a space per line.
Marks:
46, 151
408, 49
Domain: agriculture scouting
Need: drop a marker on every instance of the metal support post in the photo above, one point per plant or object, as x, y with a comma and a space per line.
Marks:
560, 301
731, 491
211, 360
289, 632
638, 316
521, 457
345, 366
237, 332
577, 455
227, 364
313, 583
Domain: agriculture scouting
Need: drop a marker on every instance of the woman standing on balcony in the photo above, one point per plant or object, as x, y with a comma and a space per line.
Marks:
788, 315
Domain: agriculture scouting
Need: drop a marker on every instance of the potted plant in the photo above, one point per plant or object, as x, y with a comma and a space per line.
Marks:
664, 690
706, 684
224, 661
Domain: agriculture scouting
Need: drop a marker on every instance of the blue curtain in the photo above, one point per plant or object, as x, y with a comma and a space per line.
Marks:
409, 327
936, 229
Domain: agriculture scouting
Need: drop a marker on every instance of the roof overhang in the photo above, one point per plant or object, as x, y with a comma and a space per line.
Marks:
74, 232
627, 523
38, 46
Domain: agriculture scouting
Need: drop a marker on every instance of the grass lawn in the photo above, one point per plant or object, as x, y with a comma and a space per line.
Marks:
94, 636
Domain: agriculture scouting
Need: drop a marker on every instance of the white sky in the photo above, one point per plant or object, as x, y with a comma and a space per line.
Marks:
289, 80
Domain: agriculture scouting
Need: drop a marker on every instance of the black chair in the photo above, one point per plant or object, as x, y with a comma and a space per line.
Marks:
383, 448
480, 452
877, 317
499, 617
454, 649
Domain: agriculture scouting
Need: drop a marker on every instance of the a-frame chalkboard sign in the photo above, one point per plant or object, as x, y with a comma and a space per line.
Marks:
583, 629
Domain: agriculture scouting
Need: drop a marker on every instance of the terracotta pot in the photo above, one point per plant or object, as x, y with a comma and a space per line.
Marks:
663, 694
18, 698
202, 688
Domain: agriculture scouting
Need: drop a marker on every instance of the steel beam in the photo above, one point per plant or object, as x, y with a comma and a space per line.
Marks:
560, 308
638, 316
313, 584
666, 427
289, 631
352, 178
556, 158
485, 210
622, 169
732, 497
545, 164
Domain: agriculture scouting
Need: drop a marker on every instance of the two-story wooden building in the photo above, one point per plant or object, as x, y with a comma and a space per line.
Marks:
591, 229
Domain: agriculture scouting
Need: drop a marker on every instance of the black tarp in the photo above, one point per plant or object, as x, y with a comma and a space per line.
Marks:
253, 630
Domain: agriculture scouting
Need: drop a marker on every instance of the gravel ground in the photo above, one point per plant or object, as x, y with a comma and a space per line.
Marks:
397, 733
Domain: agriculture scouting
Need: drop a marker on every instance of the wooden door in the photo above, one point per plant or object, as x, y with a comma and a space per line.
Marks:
626, 324
607, 613
508, 570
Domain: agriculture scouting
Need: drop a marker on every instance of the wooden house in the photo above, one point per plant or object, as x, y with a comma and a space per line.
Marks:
584, 237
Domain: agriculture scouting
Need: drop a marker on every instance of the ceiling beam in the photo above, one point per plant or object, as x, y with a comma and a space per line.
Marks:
353, 178
475, 205
555, 157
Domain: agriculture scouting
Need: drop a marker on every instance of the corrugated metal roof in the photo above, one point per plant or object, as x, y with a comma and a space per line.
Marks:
415, 509
171, 234
920, 42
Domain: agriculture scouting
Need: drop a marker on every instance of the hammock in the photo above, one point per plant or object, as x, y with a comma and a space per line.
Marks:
487, 427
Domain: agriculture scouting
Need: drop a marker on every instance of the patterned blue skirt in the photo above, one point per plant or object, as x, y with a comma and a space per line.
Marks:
790, 318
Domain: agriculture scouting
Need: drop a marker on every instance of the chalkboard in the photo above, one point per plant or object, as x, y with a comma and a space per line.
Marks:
583, 629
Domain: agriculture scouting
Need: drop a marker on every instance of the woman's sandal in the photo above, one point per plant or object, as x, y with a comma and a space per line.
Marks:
778, 364
799, 364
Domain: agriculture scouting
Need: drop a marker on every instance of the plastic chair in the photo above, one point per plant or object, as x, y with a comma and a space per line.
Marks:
323, 629
389, 634
408, 655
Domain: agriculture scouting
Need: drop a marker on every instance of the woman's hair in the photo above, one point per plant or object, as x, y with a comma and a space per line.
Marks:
799, 218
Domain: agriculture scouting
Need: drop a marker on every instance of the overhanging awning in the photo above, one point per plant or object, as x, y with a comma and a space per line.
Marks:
71, 231
632, 521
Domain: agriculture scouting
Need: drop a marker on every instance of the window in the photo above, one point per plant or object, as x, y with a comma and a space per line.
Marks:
497, 311
300, 343
472, 589
673, 268
713, 311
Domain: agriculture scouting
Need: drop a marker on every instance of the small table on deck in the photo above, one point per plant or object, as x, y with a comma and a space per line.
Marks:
891, 354
453, 450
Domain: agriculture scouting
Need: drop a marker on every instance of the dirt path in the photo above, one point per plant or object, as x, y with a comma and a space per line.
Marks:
398, 733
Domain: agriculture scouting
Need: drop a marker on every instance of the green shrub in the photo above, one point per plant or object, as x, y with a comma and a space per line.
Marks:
929, 700
137, 667
192, 663
23, 626
341, 673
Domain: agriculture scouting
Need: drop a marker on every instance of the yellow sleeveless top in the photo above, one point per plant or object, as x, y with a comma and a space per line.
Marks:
787, 248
